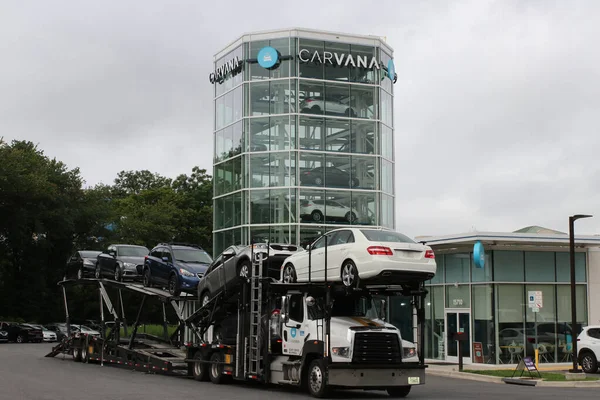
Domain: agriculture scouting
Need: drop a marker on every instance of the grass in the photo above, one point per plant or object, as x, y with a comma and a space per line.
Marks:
156, 330
546, 376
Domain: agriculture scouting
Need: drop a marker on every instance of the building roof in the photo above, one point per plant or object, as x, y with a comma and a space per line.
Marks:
538, 229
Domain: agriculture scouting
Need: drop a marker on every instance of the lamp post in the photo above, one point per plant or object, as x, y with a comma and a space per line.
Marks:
572, 220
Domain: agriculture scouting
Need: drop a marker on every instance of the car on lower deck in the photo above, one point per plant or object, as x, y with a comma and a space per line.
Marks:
358, 256
233, 266
178, 267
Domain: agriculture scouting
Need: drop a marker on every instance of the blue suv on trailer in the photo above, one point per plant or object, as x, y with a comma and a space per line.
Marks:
177, 266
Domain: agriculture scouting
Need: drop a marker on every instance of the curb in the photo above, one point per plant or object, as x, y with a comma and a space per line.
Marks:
494, 379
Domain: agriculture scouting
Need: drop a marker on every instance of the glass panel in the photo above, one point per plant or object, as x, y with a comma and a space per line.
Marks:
464, 325
546, 315
563, 267
451, 327
228, 142
311, 97
363, 137
312, 206
485, 274
272, 234
387, 211
230, 82
312, 171
280, 206
337, 135
387, 176
458, 296
338, 172
282, 169
363, 102
400, 316
508, 266
434, 323
219, 213
283, 135
279, 97
256, 71
337, 100
238, 208
259, 170
259, 207
259, 133
385, 82
332, 70
224, 110
539, 266
483, 320
387, 142
236, 173
439, 274
564, 318
362, 55
311, 133
338, 208
219, 146
259, 99
311, 66
364, 173
283, 47
364, 206
511, 329
237, 139
387, 109
238, 106
457, 268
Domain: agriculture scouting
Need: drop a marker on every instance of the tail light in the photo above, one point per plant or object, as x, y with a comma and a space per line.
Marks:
429, 254
308, 100
145, 258
380, 251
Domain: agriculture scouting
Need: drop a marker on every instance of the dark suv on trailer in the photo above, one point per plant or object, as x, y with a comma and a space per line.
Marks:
121, 261
179, 267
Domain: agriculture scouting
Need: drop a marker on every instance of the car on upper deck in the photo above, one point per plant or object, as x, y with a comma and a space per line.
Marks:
121, 261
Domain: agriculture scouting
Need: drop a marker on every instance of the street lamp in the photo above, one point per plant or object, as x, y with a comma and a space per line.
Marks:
572, 220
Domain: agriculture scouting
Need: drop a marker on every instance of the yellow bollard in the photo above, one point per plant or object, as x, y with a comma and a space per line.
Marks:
537, 358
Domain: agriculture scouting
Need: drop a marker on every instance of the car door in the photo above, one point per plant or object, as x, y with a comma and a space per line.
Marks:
338, 251
72, 265
154, 263
213, 279
316, 260
228, 275
167, 266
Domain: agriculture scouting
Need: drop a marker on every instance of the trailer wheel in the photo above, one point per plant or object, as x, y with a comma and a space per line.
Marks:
77, 354
399, 391
216, 369
85, 355
200, 370
317, 379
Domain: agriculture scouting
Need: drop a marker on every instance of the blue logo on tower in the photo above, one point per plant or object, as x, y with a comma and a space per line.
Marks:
268, 58
293, 332
391, 70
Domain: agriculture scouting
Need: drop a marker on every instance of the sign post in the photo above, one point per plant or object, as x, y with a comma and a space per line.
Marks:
536, 302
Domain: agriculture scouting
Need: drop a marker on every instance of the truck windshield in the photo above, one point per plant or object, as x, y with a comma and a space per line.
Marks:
354, 306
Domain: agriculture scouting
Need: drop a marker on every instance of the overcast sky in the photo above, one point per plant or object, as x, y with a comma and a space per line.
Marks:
496, 106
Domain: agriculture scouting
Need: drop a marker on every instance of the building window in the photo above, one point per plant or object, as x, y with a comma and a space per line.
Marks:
508, 266
483, 320
482, 274
458, 296
457, 267
539, 266
563, 267
434, 323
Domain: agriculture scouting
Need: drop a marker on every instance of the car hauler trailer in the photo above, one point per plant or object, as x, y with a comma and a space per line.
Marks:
139, 351
316, 335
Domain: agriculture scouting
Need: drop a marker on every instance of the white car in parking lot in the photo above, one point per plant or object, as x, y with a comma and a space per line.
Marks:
588, 348
361, 255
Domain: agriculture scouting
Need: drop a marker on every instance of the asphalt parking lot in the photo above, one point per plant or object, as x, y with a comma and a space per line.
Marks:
25, 374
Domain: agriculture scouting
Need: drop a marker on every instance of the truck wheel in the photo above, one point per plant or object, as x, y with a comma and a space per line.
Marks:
317, 379
76, 354
200, 370
85, 356
216, 369
399, 391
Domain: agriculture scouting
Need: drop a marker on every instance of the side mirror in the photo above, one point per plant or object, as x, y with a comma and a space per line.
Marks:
165, 259
228, 254
382, 310
310, 301
308, 247
285, 305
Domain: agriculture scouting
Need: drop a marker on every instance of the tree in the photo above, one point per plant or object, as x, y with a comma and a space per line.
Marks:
134, 182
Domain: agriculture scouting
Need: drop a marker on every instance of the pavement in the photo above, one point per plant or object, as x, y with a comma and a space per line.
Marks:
25, 374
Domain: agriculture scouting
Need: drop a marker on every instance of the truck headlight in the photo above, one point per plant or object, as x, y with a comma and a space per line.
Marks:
185, 272
341, 351
410, 352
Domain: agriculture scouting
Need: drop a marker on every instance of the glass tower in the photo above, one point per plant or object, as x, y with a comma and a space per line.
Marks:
303, 136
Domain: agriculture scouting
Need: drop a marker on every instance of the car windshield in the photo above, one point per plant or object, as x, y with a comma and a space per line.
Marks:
89, 254
385, 236
131, 251
192, 256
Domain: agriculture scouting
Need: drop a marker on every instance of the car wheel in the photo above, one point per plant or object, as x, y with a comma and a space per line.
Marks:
200, 369
146, 279
244, 270
205, 298
318, 181
289, 274
399, 392
351, 217
316, 110
173, 289
349, 274
20, 339
80, 273
354, 182
118, 277
350, 113
97, 273
317, 384
589, 364
317, 216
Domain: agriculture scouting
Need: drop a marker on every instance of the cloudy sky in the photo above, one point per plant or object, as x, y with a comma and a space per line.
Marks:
496, 106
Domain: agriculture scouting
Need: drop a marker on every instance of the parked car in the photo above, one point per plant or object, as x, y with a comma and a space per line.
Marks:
179, 267
81, 264
21, 333
121, 261
361, 255
3, 336
588, 348
325, 210
233, 265
60, 328
48, 335
85, 330
331, 106
328, 176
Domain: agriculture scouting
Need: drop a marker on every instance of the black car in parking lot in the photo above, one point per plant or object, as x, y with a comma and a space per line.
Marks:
20, 333
121, 261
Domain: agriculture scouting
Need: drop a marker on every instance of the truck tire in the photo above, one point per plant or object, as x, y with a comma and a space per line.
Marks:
85, 356
317, 379
200, 370
216, 369
399, 391
77, 354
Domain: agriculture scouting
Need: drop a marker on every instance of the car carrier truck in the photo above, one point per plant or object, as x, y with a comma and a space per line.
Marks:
316, 335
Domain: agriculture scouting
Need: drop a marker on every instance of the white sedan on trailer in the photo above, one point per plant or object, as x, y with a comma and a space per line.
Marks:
361, 255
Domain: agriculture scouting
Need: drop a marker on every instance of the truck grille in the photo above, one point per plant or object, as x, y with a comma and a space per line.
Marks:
376, 348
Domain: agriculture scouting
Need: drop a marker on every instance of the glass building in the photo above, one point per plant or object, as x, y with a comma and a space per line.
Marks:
492, 304
303, 136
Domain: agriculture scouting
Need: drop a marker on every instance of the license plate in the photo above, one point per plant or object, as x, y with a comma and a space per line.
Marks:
414, 380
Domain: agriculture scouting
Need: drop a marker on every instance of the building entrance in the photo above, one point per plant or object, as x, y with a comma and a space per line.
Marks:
457, 321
